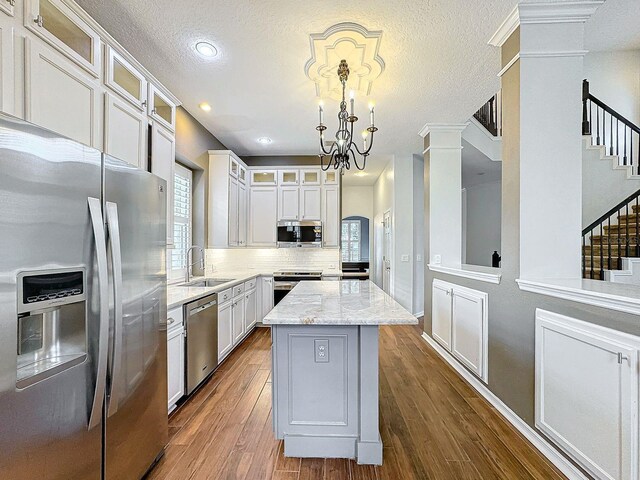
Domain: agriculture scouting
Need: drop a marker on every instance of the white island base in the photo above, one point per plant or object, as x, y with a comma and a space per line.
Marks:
325, 368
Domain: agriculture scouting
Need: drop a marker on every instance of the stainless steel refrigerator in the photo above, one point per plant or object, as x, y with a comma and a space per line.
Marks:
83, 386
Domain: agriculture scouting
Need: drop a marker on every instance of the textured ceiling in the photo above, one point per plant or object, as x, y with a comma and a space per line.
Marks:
438, 66
614, 26
435, 52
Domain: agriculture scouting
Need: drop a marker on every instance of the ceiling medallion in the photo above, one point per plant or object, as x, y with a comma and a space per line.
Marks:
344, 41
344, 149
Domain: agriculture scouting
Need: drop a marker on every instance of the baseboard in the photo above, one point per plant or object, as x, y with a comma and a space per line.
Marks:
539, 442
419, 314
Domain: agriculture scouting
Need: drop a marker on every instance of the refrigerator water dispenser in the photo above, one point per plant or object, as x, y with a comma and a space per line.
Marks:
52, 325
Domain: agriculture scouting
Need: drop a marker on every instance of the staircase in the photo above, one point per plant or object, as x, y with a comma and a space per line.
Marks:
610, 244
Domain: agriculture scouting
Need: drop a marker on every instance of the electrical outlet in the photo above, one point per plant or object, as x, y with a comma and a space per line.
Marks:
321, 350
437, 259
404, 258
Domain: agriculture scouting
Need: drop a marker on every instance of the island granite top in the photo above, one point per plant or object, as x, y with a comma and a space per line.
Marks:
346, 302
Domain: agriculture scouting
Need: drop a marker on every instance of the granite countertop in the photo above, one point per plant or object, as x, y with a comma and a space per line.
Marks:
346, 302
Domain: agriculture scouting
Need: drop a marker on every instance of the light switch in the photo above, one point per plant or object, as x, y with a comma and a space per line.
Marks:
419, 258
322, 350
437, 259
404, 258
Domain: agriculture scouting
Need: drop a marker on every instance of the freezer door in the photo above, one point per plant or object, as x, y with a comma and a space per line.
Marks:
136, 425
49, 306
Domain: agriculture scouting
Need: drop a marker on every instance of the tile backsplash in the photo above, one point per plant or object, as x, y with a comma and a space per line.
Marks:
222, 260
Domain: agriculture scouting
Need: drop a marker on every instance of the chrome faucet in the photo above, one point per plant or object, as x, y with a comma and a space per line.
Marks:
187, 277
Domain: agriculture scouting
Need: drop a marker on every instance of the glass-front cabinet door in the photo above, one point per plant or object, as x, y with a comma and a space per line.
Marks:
330, 177
58, 25
161, 108
288, 177
125, 80
310, 177
264, 177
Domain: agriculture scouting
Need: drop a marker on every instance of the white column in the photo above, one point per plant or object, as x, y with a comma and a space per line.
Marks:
550, 59
443, 159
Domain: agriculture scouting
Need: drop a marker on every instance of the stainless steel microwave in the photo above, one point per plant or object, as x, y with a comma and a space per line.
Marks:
299, 234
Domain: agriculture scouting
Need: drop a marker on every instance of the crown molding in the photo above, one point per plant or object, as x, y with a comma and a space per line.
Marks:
544, 12
506, 28
442, 127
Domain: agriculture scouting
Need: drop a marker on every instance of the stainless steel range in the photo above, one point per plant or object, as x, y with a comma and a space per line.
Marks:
283, 282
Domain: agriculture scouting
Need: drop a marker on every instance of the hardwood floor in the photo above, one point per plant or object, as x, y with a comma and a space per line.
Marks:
433, 425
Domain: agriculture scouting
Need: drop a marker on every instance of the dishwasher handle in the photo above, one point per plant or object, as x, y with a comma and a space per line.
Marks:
201, 308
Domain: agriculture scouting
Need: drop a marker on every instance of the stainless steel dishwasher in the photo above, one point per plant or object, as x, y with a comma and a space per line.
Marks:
202, 340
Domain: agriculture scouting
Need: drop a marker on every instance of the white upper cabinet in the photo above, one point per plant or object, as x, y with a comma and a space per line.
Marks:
163, 158
61, 27
234, 210
264, 177
263, 213
330, 177
124, 79
125, 131
331, 221
243, 201
288, 203
8, 6
161, 108
310, 199
242, 174
60, 96
288, 177
310, 177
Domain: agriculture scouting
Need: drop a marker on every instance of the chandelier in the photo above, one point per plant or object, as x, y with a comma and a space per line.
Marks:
345, 149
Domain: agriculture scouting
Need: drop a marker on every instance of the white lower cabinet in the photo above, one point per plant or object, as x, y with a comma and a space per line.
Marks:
225, 330
175, 357
587, 393
250, 310
460, 324
237, 321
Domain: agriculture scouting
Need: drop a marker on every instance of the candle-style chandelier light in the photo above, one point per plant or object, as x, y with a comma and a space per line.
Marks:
345, 149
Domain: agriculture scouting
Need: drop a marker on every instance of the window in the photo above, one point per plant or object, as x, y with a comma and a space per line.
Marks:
351, 240
182, 203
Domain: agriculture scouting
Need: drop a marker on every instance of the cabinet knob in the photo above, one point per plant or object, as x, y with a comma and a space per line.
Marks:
39, 20
12, 2
144, 103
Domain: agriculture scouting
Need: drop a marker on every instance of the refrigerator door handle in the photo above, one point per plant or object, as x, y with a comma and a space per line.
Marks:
95, 211
113, 227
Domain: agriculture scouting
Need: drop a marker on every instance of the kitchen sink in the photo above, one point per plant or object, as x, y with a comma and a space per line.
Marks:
207, 283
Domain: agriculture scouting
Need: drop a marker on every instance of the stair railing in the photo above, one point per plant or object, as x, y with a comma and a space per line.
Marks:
609, 128
609, 251
490, 115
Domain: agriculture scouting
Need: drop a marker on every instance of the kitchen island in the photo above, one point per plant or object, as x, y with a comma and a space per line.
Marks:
325, 368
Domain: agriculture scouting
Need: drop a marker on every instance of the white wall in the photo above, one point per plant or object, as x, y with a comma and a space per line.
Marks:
614, 78
418, 234
382, 201
358, 201
483, 222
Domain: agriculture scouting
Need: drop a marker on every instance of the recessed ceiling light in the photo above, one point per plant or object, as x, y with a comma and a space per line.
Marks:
206, 49
205, 106
264, 140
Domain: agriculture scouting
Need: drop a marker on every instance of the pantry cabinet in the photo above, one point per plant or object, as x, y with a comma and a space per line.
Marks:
263, 208
587, 393
163, 155
125, 131
62, 28
460, 324
60, 96
228, 200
